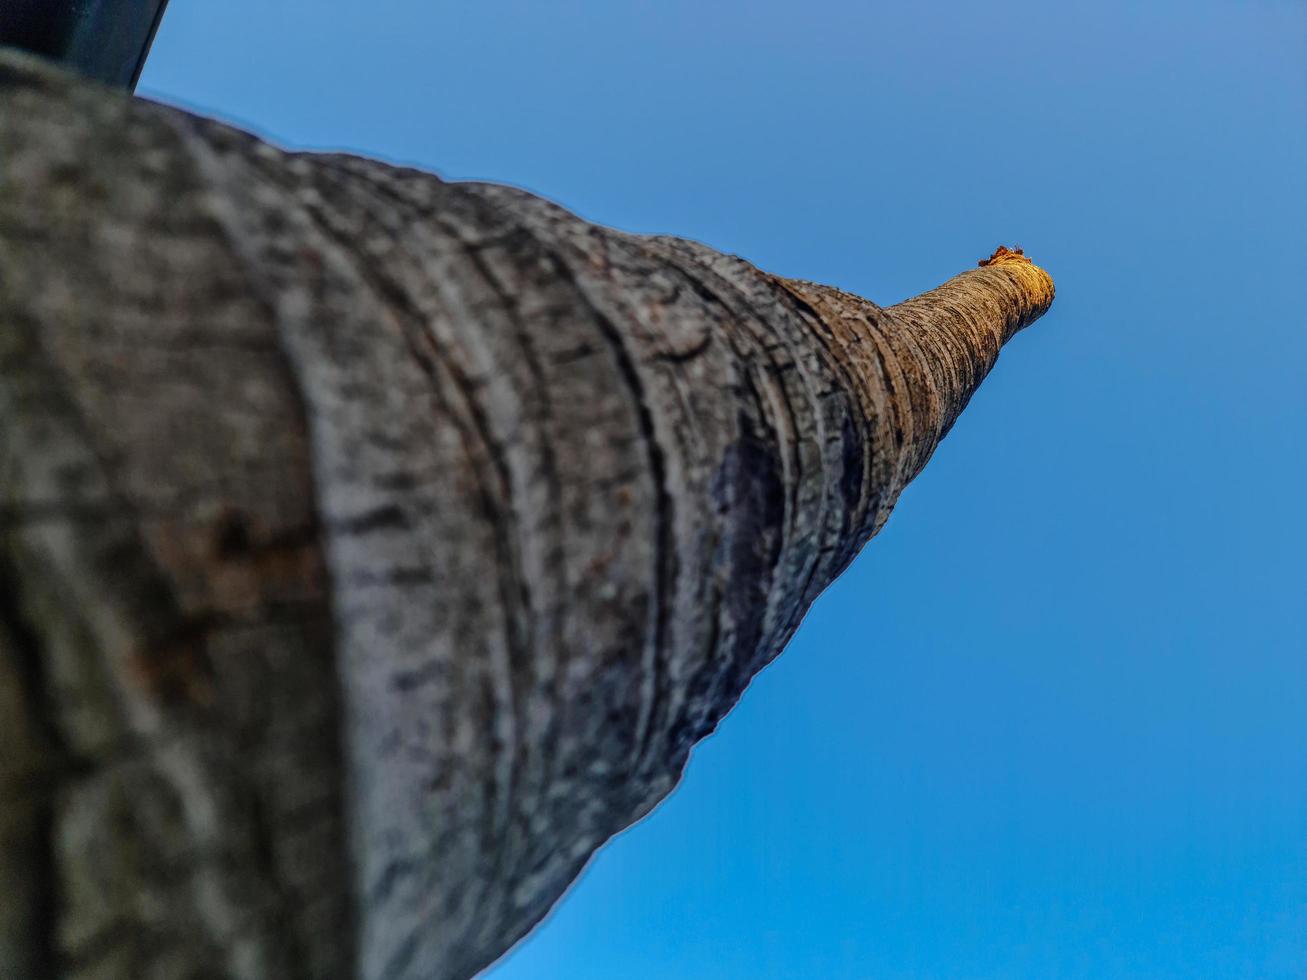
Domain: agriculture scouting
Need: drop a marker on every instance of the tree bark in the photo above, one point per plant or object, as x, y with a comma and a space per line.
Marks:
374, 547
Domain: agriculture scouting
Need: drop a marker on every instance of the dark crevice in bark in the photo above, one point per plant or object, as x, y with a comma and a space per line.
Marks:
741, 526
857, 437
264, 844
29, 663
474, 427
664, 512
556, 569
338, 866
804, 594
750, 345
349, 902
509, 307
387, 518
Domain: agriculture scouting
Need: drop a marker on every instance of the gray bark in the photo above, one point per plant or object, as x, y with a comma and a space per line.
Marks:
374, 547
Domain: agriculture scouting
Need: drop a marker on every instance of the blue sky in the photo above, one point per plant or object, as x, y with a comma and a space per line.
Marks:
1053, 722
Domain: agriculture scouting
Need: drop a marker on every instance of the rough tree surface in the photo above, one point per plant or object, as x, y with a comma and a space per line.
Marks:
373, 547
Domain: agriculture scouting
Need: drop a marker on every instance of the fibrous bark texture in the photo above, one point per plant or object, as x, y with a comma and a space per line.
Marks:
373, 547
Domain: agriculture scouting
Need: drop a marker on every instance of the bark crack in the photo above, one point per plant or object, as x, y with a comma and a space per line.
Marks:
664, 510
45, 957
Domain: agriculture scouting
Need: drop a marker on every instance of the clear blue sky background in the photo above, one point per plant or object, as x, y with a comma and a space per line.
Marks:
1053, 723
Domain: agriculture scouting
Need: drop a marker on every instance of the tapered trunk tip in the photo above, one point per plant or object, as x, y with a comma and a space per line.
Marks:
1004, 254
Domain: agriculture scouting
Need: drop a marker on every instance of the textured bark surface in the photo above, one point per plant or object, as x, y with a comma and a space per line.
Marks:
373, 547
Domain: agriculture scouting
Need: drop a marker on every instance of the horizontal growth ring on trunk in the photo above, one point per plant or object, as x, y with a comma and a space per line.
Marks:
374, 547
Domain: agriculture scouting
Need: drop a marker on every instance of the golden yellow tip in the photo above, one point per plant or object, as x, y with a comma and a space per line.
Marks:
1005, 254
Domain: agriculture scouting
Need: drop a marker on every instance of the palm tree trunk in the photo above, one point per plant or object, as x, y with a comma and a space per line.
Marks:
374, 547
